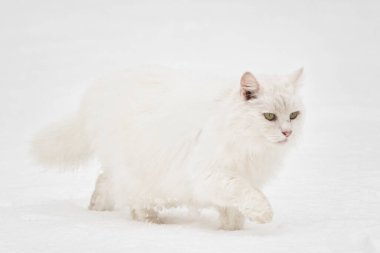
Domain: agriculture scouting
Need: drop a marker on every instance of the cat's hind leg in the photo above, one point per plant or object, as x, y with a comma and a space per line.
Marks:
102, 199
230, 218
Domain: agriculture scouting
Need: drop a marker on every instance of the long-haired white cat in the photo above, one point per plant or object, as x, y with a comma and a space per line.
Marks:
165, 138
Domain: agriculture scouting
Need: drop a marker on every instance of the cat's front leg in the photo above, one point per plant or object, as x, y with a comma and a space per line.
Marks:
235, 191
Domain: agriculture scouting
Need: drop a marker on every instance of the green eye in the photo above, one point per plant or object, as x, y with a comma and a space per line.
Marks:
270, 116
294, 115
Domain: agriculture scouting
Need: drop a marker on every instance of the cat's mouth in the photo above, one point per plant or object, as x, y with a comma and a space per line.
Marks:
282, 141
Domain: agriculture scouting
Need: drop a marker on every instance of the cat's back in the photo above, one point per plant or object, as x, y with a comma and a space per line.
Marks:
141, 85
157, 101
153, 88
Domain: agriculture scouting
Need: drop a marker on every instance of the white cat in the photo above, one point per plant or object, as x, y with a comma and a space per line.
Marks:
165, 138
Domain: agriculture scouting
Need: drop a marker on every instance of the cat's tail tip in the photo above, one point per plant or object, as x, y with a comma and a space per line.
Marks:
62, 145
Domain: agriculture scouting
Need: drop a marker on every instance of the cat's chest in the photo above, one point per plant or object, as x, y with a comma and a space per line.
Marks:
260, 166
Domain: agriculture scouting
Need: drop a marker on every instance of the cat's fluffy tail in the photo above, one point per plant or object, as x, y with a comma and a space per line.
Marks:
62, 145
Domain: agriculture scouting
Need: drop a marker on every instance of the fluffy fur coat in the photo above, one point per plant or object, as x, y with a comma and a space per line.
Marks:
166, 138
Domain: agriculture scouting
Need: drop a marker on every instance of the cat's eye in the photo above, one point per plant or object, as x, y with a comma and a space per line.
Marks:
270, 116
294, 115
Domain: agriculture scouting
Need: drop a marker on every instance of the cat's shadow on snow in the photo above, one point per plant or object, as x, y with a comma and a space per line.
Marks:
207, 220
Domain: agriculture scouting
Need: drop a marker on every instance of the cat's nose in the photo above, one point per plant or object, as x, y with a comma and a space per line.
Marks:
287, 133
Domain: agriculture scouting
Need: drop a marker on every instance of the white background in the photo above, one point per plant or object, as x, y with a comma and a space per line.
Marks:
327, 196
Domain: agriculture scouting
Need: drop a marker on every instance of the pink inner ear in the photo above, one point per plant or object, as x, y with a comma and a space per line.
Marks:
249, 86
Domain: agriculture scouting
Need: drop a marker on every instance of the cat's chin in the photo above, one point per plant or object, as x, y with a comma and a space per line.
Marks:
282, 143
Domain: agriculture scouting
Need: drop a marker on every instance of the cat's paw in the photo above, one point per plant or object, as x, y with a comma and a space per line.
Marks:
146, 215
261, 214
101, 199
230, 219
100, 202
262, 218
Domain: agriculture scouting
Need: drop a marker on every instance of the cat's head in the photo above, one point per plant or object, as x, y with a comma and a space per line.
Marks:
273, 106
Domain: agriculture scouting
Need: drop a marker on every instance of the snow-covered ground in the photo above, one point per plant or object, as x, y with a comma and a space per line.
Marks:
327, 196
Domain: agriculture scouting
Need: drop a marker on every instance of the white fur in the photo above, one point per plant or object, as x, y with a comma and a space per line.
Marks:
165, 138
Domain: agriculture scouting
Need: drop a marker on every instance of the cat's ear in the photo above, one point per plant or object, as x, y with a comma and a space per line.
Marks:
249, 86
295, 78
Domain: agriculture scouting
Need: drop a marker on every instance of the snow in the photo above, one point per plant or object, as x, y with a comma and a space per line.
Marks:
326, 197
